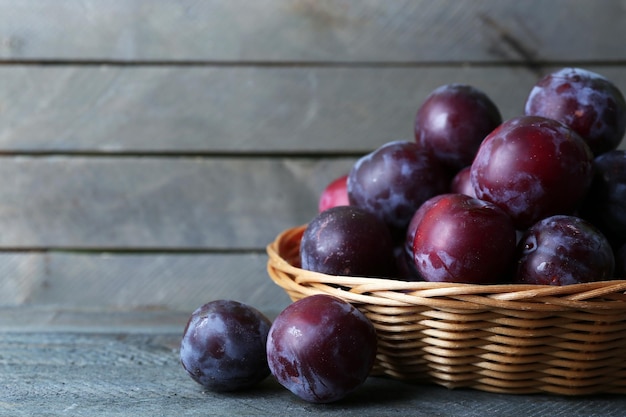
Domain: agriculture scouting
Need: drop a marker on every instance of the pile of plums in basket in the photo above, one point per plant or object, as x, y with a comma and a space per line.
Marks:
536, 199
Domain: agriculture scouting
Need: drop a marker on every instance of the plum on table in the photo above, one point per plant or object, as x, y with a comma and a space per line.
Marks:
223, 346
321, 348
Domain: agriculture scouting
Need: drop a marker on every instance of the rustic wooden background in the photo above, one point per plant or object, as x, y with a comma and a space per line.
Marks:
150, 149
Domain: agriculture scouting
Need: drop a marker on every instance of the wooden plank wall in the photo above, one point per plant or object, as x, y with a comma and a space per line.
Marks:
150, 149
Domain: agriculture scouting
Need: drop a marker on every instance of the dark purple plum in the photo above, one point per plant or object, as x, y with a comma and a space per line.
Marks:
453, 121
405, 268
563, 250
223, 346
585, 101
461, 183
620, 262
532, 168
393, 181
334, 194
321, 348
348, 241
605, 204
463, 239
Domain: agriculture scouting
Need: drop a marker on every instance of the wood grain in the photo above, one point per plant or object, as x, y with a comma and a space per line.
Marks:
176, 109
131, 281
233, 110
313, 31
121, 374
162, 203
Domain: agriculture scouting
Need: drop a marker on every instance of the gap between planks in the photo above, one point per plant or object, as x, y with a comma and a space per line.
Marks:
182, 154
96, 250
309, 64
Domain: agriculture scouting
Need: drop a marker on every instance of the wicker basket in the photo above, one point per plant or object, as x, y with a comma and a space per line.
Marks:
515, 339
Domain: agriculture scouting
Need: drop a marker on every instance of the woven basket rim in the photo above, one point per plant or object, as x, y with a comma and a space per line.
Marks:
599, 295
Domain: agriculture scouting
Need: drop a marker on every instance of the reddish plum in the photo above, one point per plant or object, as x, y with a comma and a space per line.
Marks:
413, 274
453, 121
585, 101
461, 183
563, 250
321, 348
393, 181
349, 241
463, 239
532, 167
223, 346
335, 194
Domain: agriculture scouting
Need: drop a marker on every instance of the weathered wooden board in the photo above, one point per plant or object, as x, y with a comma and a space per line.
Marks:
312, 30
227, 109
217, 109
118, 374
131, 281
157, 203
49, 318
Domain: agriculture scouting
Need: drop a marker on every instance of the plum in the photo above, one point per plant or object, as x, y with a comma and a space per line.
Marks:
563, 250
463, 239
605, 204
223, 346
620, 262
321, 348
348, 241
394, 180
461, 183
532, 168
334, 194
586, 102
411, 271
453, 121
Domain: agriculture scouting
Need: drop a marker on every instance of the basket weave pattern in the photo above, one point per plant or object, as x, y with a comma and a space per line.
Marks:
515, 339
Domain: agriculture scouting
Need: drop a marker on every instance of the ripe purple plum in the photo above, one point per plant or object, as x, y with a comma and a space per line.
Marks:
453, 121
405, 267
334, 194
605, 204
463, 239
532, 168
394, 180
563, 250
461, 183
223, 346
348, 241
620, 262
321, 348
585, 101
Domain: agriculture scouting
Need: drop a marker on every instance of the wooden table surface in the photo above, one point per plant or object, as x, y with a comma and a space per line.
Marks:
150, 149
